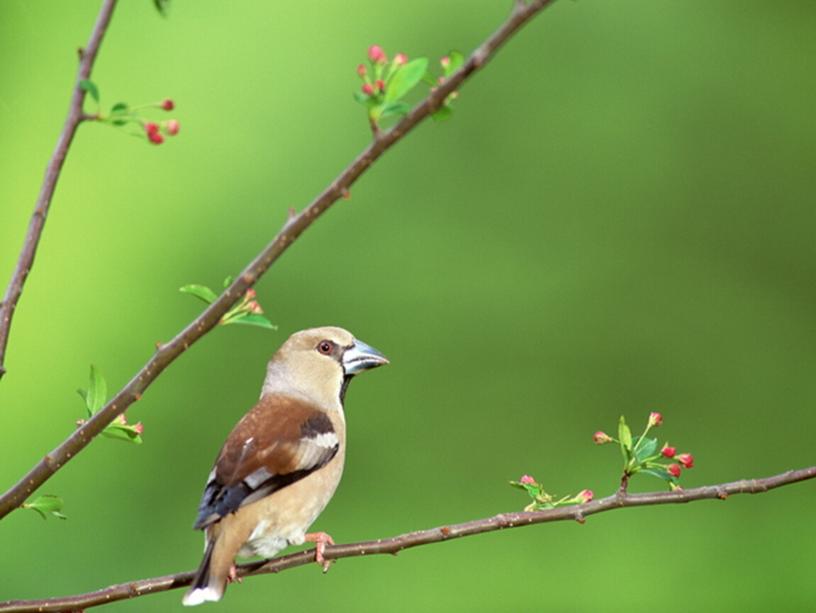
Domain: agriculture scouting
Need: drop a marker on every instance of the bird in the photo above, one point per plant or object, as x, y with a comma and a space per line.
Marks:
283, 460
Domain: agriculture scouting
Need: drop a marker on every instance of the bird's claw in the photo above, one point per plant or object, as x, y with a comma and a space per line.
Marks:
233, 577
320, 539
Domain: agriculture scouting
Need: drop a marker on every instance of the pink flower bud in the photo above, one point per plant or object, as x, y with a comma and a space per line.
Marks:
138, 428
368, 89
172, 127
585, 496
376, 54
155, 138
400, 59
668, 452
674, 470
254, 307
601, 438
655, 419
445, 62
151, 127
527, 480
250, 294
168, 105
361, 70
686, 459
120, 419
380, 84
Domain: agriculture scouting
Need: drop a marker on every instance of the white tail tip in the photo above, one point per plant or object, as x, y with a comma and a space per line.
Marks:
200, 595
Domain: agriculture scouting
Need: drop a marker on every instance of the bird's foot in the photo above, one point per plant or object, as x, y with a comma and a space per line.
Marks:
233, 577
320, 539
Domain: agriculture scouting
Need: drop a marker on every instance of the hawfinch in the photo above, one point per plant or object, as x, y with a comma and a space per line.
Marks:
282, 462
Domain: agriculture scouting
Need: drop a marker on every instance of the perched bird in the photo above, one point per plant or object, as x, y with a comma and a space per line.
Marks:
282, 462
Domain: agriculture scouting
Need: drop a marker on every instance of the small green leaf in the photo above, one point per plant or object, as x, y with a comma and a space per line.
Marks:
228, 281
361, 98
645, 449
90, 87
624, 434
390, 109
97, 391
201, 292
456, 62
47, 504
123, 432
660, 473
253, 319
405, 79
119, 108
443, 113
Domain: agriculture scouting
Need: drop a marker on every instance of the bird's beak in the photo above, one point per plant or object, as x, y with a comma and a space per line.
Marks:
360, 357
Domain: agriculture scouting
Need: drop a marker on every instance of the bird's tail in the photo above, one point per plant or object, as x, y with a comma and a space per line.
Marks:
204, 587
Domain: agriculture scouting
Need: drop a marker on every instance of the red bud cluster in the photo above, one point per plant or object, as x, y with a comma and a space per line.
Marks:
375, 78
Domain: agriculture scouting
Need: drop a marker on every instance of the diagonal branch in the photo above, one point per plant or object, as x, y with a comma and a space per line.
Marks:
394, 545
52, 173
292, 229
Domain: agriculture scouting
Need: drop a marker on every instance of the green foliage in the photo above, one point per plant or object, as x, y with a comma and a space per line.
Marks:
45, 505
246, 311
95, 397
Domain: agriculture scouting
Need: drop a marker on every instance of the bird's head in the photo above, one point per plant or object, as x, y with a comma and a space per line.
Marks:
318, 363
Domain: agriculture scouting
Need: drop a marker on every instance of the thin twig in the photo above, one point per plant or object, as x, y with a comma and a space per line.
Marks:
292, 229
396, 544
52, 172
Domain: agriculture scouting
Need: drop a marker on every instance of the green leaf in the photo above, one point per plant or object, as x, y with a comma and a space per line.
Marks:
390, 109
645, 449
660, 473
90, 87
228, 281
443, 113
624, 434
123, 432
199, 291
253, 319
456, 62
119, 108
47, 504
97, 391
405, 79
361, 98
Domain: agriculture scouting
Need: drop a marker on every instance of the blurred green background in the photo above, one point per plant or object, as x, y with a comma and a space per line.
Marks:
618, 219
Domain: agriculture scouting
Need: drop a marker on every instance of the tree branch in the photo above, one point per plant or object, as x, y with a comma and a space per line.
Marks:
396, 544
291, 230
52, 172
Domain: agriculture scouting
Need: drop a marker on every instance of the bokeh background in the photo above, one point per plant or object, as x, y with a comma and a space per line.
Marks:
619, 218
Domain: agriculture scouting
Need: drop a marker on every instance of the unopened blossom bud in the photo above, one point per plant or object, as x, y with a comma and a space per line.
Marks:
380, 85
400, 59
254, 307
655, 419
172, 127
376, 54
168, 105
601, 438
151, 127
361, 70
138, 428
445, 62
668, 452
368, 89
686, 459
250, 294
527, 480
674, 470
585, 496
155, 138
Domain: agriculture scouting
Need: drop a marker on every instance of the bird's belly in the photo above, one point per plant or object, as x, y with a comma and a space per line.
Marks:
286, 518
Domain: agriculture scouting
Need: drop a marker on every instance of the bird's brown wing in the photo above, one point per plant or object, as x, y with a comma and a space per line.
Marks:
280, 441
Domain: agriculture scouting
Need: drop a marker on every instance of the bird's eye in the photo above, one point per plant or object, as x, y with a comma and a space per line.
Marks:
325, 347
